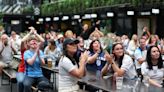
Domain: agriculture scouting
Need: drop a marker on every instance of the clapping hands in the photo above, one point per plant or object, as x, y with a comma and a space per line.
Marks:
32, 30
84, 56
109, 58
38, 48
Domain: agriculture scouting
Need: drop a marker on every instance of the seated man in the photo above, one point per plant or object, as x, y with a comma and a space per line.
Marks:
33, 61
6, 51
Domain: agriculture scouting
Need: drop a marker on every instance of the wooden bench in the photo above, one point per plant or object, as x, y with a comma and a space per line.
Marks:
10, 75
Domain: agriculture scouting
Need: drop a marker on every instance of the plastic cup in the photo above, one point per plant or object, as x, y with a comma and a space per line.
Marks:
53, 64
119, 82
49, 62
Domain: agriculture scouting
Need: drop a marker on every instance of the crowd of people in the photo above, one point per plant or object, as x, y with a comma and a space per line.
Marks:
74, 54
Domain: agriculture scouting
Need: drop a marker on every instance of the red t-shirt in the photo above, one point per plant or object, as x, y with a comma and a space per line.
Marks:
21, 67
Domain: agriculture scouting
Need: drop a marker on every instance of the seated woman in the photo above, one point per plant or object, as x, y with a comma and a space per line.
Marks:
51, 51
133, 44
153, 68
33, 60
96, 59
69, 68
120, 63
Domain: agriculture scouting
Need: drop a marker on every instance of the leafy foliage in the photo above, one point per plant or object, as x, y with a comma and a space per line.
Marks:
78, 6
28, 10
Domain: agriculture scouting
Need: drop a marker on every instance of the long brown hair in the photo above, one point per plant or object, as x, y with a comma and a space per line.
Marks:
121, 58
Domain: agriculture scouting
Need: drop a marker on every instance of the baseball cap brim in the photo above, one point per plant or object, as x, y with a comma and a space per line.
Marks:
70, 41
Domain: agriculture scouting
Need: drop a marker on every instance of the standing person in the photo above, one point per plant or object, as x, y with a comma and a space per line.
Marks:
120, 63
69, 68
86, 31
146, 32
33, 60
153, 68
24, 47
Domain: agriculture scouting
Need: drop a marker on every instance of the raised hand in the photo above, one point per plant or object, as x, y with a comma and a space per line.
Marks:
109, 58
38, 48
84, 56
31, 28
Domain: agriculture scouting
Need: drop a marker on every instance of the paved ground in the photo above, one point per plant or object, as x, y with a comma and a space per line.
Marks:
6, 88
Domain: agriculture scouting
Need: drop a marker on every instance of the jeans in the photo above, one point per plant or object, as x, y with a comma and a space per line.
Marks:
29, 81
20, 78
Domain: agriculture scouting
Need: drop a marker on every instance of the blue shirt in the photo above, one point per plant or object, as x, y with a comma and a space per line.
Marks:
98, 64
33, 70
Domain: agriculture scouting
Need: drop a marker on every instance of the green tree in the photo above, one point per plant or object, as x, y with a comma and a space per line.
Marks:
80, 6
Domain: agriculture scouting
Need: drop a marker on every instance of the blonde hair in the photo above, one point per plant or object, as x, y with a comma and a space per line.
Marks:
32, 37
68, 34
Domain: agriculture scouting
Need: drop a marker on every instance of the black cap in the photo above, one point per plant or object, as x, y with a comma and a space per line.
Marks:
69, 41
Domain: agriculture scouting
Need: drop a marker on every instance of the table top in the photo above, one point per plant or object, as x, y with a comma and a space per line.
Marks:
17, 57
109, 84
10, 72
53, 69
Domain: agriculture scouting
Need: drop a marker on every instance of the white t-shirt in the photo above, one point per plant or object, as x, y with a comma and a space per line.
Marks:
54, 55
131, 47
155, 74
139, 54
128, 66
65, 78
